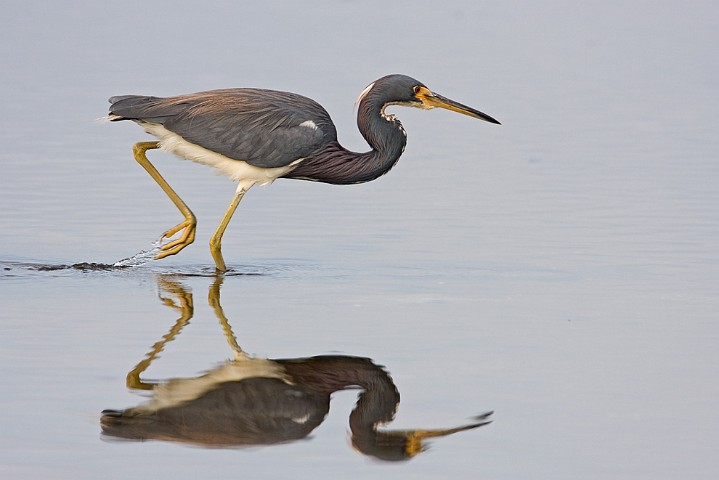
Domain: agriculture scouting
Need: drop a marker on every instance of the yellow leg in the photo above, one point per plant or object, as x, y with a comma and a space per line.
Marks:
184, 305
216, 240
213, 298
187, 226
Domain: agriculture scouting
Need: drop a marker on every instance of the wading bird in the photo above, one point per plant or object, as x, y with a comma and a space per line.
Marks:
255, 136
249, 401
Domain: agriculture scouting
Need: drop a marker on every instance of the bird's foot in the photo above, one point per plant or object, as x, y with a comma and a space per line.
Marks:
216, 252
188, 227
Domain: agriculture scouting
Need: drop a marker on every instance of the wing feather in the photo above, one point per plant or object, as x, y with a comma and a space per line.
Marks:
265, 128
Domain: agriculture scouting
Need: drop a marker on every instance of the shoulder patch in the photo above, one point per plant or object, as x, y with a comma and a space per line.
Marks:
309, 124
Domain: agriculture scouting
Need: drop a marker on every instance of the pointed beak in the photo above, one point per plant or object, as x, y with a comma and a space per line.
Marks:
434, 100
415, 438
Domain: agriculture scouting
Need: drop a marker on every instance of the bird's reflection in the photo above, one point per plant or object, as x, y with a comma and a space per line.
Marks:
256, 401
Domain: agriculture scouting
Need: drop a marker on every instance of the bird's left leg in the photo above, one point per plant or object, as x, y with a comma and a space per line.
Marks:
188, 225
216, 240
184, 305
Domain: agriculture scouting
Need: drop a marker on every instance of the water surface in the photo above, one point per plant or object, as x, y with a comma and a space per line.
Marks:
560, 270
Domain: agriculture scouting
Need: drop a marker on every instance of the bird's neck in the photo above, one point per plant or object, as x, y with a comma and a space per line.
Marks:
331, 373
337, 165
383, 132
376, 404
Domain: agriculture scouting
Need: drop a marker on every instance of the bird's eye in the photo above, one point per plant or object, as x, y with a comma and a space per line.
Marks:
416, 89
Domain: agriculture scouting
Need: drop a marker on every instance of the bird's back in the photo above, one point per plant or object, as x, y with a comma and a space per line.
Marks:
252, 411
265, 128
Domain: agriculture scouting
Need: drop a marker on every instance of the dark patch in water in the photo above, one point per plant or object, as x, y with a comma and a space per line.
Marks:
13, 269
83, 266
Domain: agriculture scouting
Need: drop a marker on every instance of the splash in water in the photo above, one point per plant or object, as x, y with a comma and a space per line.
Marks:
142, 257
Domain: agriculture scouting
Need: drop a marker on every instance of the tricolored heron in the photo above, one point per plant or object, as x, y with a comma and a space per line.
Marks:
250, 400
255, 136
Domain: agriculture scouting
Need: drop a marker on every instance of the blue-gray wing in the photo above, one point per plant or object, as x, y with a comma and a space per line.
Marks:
265, 128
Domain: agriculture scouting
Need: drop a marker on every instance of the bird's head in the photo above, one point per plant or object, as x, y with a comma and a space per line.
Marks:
400, 89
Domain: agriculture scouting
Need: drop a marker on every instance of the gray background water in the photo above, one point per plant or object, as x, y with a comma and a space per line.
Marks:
561, 269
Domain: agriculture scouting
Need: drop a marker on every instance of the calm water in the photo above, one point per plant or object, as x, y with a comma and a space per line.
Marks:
561, 269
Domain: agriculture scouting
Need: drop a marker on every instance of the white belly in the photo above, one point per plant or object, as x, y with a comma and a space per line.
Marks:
246, 174
180, 390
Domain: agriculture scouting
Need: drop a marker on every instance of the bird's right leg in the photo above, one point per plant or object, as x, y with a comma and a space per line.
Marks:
213, 298
216, 239
188, 225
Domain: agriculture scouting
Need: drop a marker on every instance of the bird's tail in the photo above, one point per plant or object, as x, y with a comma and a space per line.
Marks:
123, 424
